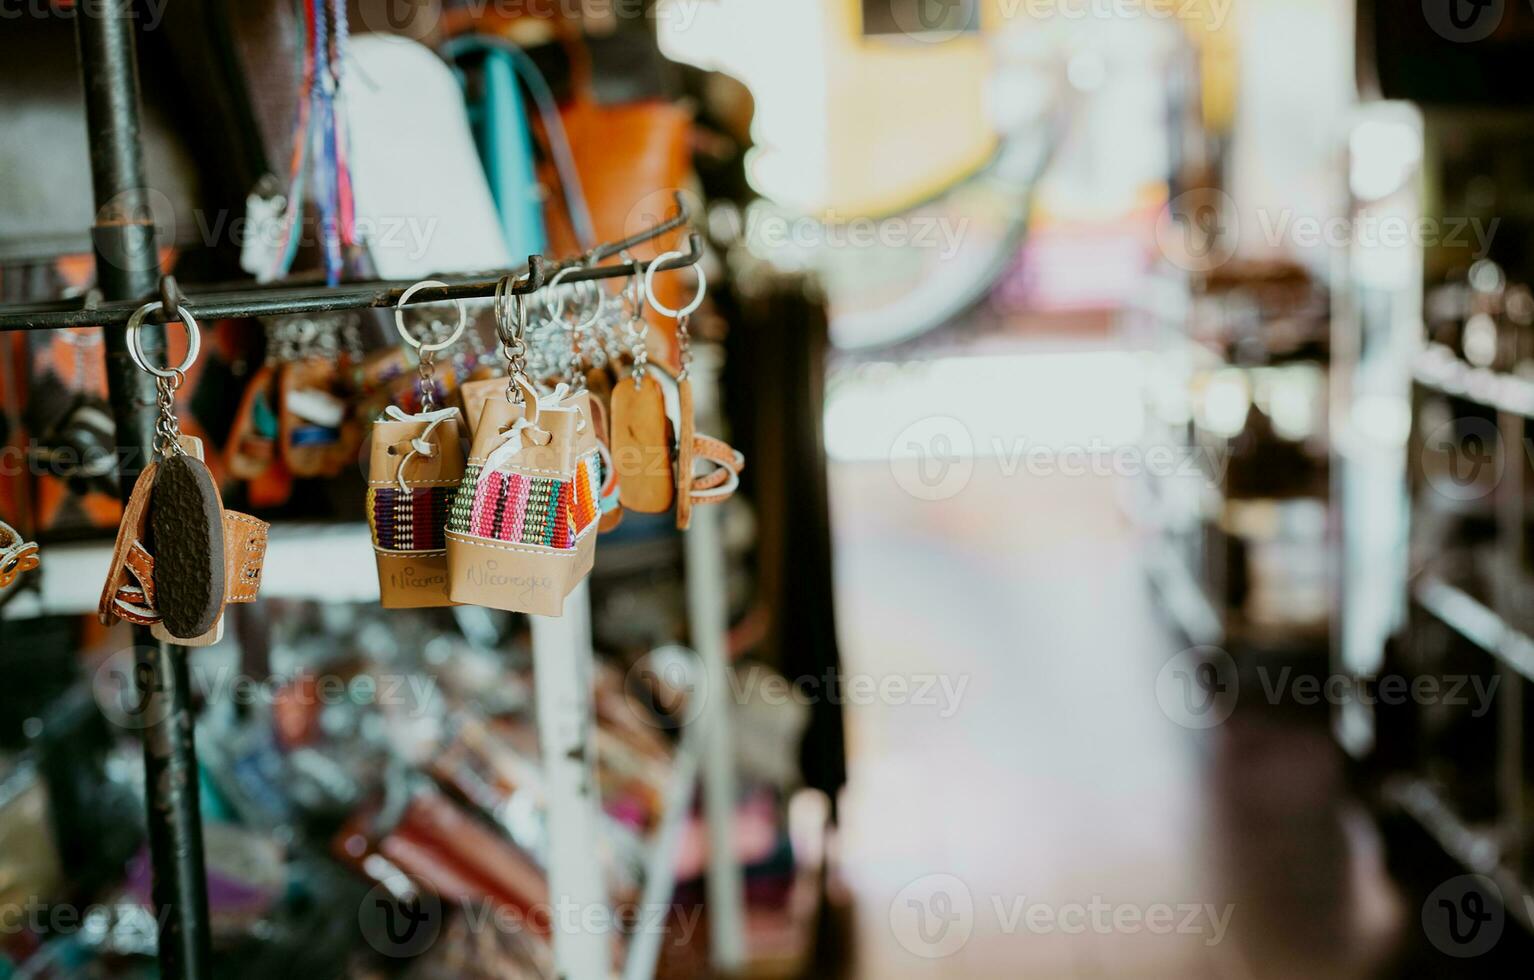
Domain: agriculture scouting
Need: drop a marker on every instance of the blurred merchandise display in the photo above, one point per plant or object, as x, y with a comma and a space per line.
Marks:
363, 695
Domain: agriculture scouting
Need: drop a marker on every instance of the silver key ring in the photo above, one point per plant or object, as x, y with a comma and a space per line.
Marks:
193, 335
556, 304
649, 286
399, 318
507, 300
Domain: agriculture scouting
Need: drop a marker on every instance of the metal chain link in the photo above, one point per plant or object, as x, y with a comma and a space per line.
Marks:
511, 330
684, 345
167, 427
426, 380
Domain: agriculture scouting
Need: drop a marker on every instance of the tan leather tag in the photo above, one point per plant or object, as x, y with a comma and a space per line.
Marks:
475, 394
684, 450
640, 447
610, 518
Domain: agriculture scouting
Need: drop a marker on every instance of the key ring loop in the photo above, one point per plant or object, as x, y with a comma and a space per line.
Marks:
399, 318
557, 300
634, 291
649, 286
506, 300
193, 338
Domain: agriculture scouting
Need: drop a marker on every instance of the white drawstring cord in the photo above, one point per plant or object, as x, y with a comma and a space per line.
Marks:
511, 440
422, 444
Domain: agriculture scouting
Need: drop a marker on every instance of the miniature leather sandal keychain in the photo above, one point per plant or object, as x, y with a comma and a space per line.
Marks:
17, 555
523, 526
179, 556
641, 448
721, 479
414, 469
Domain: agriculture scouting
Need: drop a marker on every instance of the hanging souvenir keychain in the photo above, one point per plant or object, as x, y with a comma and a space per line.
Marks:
718, 482
640, 445
583, 340
414, 469
180, 557
17, 555
598, 357
318, 436
523, 526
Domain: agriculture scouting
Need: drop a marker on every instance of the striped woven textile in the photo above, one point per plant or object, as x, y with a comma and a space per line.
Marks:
522, 509
414, 521
598, 473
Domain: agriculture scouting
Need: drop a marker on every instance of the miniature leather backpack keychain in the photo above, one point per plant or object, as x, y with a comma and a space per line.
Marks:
179, 557
524, 521
414, 469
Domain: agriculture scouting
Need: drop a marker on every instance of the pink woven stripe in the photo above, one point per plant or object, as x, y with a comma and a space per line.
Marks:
516, 503
482, 515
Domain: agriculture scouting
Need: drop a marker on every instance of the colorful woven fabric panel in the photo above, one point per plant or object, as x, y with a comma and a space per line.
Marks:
522, 509
414, 521
597, 473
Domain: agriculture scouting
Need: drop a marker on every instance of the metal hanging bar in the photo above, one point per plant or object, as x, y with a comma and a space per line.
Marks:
128, 269
379, 294
609, 249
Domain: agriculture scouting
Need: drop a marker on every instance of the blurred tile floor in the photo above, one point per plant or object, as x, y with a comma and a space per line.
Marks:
1040, 815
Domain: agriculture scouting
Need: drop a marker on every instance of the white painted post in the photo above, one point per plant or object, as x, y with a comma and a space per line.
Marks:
708, 622
562, 679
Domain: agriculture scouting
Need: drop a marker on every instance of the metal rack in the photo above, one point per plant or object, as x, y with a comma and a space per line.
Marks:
1379, 337
128, 275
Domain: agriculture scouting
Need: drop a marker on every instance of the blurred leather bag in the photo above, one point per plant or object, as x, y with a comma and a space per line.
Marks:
632, 157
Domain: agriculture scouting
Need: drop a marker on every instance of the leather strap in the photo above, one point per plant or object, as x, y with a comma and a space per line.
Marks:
16, 555
130, 532
710, 488
244, 553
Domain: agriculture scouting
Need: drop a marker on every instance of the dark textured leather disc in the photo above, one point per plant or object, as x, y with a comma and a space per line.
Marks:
186, 520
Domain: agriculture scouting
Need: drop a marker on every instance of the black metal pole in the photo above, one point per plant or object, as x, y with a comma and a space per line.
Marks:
128, 268
219, 303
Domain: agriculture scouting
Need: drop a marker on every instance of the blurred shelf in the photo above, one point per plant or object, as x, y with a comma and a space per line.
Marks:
1438, 369
1476, 622
1474, 848
326, 562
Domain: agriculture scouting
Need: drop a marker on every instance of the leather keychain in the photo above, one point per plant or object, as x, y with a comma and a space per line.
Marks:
319, 435
179, 556
17, 555
523, 527
692, 447
414, 469
640, 444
